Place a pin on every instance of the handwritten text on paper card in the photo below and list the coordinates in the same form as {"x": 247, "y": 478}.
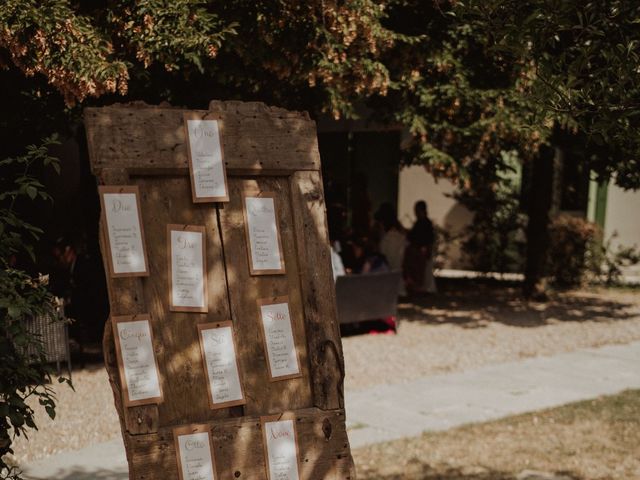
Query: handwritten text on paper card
{"x": 206, "y": 159}
{"x": 124, "y": 232}
{"x": 138, "y": 360}
{"x": 195, "y": 456}
{"x": 281, "y": 450}
{"x": 263, "y": 233}
{"x": 278, "y": 334}
{"x": 222, "y": 367}
{"x": 187, "y": 269}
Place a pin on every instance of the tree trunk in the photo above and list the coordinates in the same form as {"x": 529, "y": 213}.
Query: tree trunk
{"x": 544, "y": 200}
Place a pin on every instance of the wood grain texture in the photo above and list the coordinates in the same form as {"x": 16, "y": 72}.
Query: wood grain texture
{"x": 263, "y": 396}
{"x": 239, "y": 452}
{"x": 164, "y": 201}
{"x": 266, "y": 149}
{"x": 126, "y": 297}
{"x": 256, "y": 138}
{"x": 318, "y": 291}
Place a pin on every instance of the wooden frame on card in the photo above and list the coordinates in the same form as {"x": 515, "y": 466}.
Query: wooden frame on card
{"x": 198, "y": 116}
{"x": 106, "y": 189}
{"x": 115, "y": 321}
{"x": 188, "y": 430}
{"x": 252, "y": 194}
{"x": 276, "y": 418}
{"x": 210, "y": 326}
{"x": 274, "y": 301}
{"x": 189, "y": 228}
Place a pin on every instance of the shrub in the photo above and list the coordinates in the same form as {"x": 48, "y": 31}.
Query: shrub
{"x": 23, "y": 373}
{"x": 608, "y": 264}
{"x": 494, "y": 241}
{"x": 571, "y": 240}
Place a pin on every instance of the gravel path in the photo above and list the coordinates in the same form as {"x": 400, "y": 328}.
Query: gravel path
{"x": 83, "y": 417}
{"x": 450, "y": 332}
{"x": 465, "y": 329}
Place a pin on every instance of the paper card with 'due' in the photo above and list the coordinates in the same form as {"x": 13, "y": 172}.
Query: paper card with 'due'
{"x": 263, "y": 236}
{"x": 193, "y": 445}
{"x": 187, "y": 268}
{"x": 282, "y": 356}
{"x": 127, "y": 256}
{"x": 281, "y": 447}
{"x": 206, "y": 159}
{"x": 217, "y": 344}
{"x": 136, "y": 359}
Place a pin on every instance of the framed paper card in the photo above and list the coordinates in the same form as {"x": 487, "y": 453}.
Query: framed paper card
{"x": 217, "y": 344}
{"x": 136, "y": 360}
{"x": 264, "y": 246}
{"x": 194, "y": 449}
{"x": 281, "y": 447}
{"x": 187, "y": 268}
{"x": 282, "y": 356}
{"x": 127, "y": 255}
{"x": 206, "y": 159}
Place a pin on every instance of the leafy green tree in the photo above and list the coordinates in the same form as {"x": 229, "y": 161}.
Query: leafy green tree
{"x": 472, "y": 79}
{"x": 584, "y": 59}
{"x": 23, "y": 374}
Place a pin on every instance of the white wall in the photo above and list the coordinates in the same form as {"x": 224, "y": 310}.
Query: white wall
{"x": 415, "y": 183}
{"x": 623, "y": 216}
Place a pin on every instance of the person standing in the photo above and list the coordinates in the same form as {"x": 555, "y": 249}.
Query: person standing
{"x": 392, "y": 240}
{"x": 418, "y": 259}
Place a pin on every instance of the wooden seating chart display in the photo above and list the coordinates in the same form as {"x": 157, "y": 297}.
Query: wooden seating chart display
{"x": 223, "y": 347}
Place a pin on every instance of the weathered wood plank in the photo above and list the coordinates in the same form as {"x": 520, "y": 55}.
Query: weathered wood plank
{"x": 255, "y": 139}
{"x": 126, "y": 297}
{"x": 318, "y": 291}
{"x": 238, "y": 449}
{"x": 263, "y": 395}
{"x": 167, "y": 200}
{"x": 141, "y": 145}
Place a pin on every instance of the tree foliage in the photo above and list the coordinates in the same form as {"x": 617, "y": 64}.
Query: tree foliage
{"x": 585, "y": 61}
{"x": 468, "y": 79}
{"x": 23, "y": 373}
{"x": 327, "y": 52}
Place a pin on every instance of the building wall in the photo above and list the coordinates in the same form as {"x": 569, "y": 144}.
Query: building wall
{"x": 415, "y": 183}
{"x": 623, "y": 217}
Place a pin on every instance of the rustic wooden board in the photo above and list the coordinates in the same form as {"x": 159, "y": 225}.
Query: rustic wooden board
{"x": 126, "y": 297}
{"x": 263, "y": 396}
{"x": 256, "y": 138}
{"x": 238, "y": 448}
{"x": 268, "y": 150}
{"x": 318, "y": 291}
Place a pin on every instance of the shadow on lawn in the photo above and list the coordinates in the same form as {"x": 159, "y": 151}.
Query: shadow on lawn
{"x": 476, "y": 303}
{"x": 426, "y": 472}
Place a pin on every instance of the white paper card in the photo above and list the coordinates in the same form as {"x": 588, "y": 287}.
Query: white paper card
{"x": 281, "y": 450}
{"x": 263, "y": 233}
{"x": 278, "y": 335}
{"x": 138, "y": 360}
{"x": 222, "y": 368}
{"x": 187, "y": 269}
{"x": 195, "y": 456}
{"x": 206, "y": 159}
{"x": 125, "y": 237}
